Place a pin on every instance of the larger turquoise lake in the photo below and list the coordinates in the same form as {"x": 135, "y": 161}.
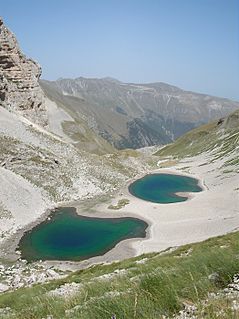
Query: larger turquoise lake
{"x": 163, "y": 188}
{"x": 69, "y": 236}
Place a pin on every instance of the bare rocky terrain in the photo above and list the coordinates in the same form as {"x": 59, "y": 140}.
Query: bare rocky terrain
{"x": 40, "y": 166}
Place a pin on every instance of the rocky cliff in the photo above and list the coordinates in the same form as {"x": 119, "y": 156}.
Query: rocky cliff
{"x": 19, "y": 75}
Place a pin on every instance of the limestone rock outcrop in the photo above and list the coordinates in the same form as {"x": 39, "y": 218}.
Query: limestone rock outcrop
{"x": 19, "y": 75}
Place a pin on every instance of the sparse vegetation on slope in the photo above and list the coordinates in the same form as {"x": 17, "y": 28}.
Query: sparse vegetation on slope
{"x": 121, "y": 203}
{"x": 220, "y": 138}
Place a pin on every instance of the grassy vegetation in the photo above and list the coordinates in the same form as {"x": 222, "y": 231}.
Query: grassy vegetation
{"x": 129, "y": 153}
{"x": 121, "y": 203}
{"x": 167, "y": 163}
{"x": 152, "y": 286}
{"x": 221, "y": 139}
{"x": 191, "y": 143}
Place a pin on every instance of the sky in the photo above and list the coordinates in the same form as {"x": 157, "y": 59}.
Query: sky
{"x": 193, "y": 44}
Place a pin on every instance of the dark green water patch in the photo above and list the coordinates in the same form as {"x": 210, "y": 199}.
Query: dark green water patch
{"x": 162, "y": 188}
{"x": 69, "y": 236}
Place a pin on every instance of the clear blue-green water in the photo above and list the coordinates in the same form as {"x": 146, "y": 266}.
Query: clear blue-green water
{"x": 162, "y": 188}
{"x": 69, "y": 236}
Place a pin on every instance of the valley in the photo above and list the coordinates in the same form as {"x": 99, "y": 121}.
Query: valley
{"x": 81, "y": 144}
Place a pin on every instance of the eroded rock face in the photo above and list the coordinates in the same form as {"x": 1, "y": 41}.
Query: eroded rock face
{"x": 19, "y": 75}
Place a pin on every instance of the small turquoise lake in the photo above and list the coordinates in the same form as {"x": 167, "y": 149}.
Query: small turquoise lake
{"x": 69, "y": 236}
{"x": 162, "y": 188}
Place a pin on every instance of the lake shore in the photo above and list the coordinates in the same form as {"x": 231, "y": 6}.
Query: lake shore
{"x": 209, "y": 213}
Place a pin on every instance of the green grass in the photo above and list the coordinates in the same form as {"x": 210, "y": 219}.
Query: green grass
{"x": 121, "y": 203}
{"x": 191, "y": 143}
{"x": 149, "y": 290}
{"x": 221, "y": 140}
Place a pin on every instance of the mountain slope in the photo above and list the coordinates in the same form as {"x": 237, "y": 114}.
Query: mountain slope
{"x": 41, "y": 166}
{"x": 39, "y": 170}
{"x": 21, "y": 93}
{"x": 220, "y": 139}
{"x": 136, "y": 115}
{"x": 72, "y": 126}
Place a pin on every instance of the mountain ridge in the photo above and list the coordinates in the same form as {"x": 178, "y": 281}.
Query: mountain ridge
{"x": 148, "y": 83}
{"x": 143, "y": 114}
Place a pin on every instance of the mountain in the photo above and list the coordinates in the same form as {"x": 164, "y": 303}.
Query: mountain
{"x": 131, "y": 115}
{"x": 40, "y": 166}
{"x": 20, "y": 93}
{"x": 220, "y": 139}
{"x": 52, "y": 154}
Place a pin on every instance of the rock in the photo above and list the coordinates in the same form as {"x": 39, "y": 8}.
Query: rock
{"x": 42, "y": 277}
{"x": 220, "y": 121}
{"x": 16, "y": 281}
{"x": 235, "y": 305}
{"x": 214, "y": 277}
{"x": 52, "y": 273}
{"x": 4, "y": 287}
{"x": 120, "y": 271}
{"x": 141, "y": 261}
{"x": 19, "y": 75}
{"x": 66, "y": 290}
{"x": 5, "y": 311}
{"x": 32, "y": 279}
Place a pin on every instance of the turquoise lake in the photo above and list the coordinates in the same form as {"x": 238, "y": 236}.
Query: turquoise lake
{"x": 69, "y": 236}
{"x": 162, "y": 188}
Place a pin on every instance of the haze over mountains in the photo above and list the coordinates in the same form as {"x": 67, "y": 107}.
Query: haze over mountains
{"x": 131, "y": 115}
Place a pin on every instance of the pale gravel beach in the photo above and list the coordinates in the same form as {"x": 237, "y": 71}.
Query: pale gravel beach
{"x": 210, "y": 213}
